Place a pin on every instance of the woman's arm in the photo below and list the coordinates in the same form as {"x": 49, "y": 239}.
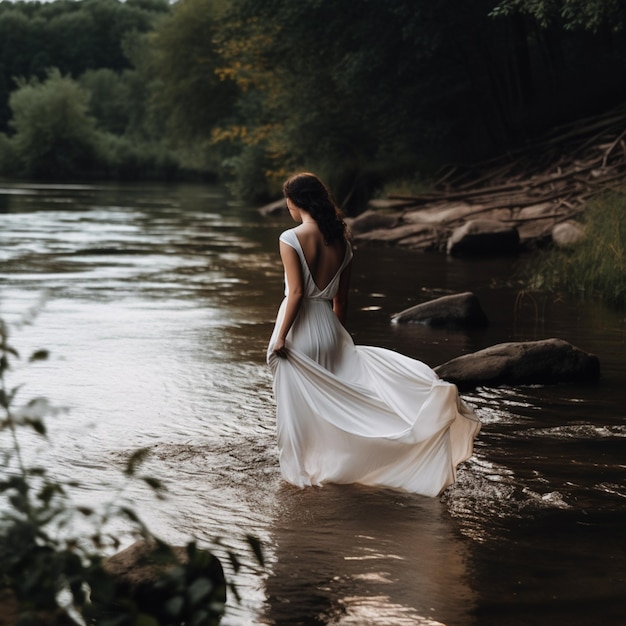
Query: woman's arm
{"x": 295, "y": 283}
{"x": 340, "y": 301}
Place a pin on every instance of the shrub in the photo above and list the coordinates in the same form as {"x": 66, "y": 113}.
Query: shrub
{"x": 596, "y": 266}
{"x": 47, "y": 575}
{"x": 54, "y": 135}
{"x": 122, "y": 158}
{"x": 9, "y": 162}
{"x": 108, "y": 100}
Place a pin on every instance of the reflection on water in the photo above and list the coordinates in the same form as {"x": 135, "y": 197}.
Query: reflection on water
{"x": 353, "y": 555}
{"x": 160, "y": 301}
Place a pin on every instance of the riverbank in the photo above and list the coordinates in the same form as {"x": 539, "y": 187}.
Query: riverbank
{"x": 518, "y": 201}
{"x": 532, "y": 191}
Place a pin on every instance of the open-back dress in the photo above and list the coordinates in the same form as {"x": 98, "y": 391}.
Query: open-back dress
{"x": 360, "y": 414}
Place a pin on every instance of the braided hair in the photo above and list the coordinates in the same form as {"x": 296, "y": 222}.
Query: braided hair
{"x": 310, "y": 194}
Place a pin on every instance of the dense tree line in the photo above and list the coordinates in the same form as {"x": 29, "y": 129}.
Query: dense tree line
{"x": 71, "y": 36}
{"x": 75, "y": 90}
{"x": 363, "y": 91}
{"x": 359, "y": 90}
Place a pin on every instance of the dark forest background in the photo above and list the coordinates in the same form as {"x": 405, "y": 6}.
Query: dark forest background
{"x": 363, "y": 92}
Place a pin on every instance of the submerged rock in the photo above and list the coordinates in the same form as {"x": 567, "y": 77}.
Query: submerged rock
{"x": 542, "y": 362}
{"x": 483, "y": 237}
{"x": 462, "y": 309}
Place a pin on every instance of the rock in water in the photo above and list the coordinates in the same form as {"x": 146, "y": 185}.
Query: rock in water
{"x": 462, "y": 309}
{"x": 543, "y": 362}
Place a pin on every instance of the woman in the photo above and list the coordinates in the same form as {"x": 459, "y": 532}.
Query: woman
{"x": 346, "y": 413}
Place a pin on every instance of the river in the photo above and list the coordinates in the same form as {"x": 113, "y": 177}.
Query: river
{"x": 156, "y": 303}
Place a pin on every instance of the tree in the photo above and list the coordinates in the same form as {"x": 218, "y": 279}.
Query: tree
{"x": 19, "y": 43}
{"x": 352, "y": 89}
{"x": 54, "y": 135}
{"x": 592, "y": 15}
{"x": 108, "y": 99}
{"x": 358, "y": 90}
{"x": 185, "y": 60}
{"x": 74, "y": 36}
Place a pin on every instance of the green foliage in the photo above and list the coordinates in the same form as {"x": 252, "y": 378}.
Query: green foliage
{"x": 596, "y": 266}
{"x": 408, "y": 186}
{"x": 318, "y": 95}
{"x": 57, "y": 137}
{"x": 54, "y": 135}
{"x": 58, "y": 578}
{"x": 109, "y": 99}
{"x": 94, "y": 114}
{"x": 366, "y": 91}
{"x": 72, "y": 36}
{"x": 589, "y": 15}
{"x": 123, "y": 158}
{"x": 8, "y": 158}
{"x": 20, "y": 52}
{"x": 185, "y": 60}
{"x": 361, "y": 91}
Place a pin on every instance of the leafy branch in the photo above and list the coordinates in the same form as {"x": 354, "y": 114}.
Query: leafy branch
{"x": 48, "y": 575}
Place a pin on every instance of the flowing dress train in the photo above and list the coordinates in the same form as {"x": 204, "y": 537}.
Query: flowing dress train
{"x": 360, "y": 414}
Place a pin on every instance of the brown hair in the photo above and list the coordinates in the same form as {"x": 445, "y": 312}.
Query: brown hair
{"x": 310, "y": 194}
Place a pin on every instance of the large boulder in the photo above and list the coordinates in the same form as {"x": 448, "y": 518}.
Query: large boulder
{"x": 462, "y": 309}
{"x": 483, "y": 237}
{"x": 547, "y": 361}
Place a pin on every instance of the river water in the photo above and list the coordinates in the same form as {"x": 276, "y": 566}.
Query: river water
{"x": 156, "y": 304}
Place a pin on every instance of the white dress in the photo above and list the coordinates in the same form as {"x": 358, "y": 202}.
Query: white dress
{"x": 358, "y": 414}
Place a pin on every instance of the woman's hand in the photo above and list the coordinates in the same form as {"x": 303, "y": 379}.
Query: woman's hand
{"x": 280, "y": 349}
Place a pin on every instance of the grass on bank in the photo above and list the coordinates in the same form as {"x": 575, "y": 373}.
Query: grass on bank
{"x": 596, "y": 266}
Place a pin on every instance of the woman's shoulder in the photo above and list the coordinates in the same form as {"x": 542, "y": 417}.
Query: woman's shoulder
{"x": 289, "y": 237}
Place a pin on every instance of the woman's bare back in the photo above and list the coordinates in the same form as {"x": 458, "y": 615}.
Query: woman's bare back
{"x": 322, "y": 260}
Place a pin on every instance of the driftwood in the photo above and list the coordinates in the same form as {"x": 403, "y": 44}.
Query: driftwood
{"x": 563, "y": 170}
